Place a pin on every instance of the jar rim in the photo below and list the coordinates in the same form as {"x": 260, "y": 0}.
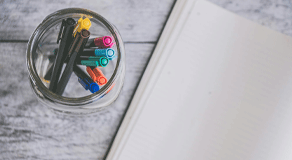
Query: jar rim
{"x": 44, "y": 92}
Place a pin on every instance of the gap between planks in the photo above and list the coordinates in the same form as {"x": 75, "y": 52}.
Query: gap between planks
{"x": 26, "y": 41}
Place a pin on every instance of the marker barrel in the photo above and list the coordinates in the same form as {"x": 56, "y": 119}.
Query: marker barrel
{"x": 103, "y": 61}
{"x": 108, "y": 52}
{"x": 91, "y": 73}
{"x": 88, "y": 52}
{"x": 104, "y": 42}
{"x": 90, "y": 63}
{"x": 85, "y": 80}
{"x": 66, "y": 31}
{"x": 100, "y": 78}
{"x": 77, "y": 45}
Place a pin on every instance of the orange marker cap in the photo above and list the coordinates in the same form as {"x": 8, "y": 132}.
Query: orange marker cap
{"x": 101, "y": 79}
{"x": 91, "y": 73}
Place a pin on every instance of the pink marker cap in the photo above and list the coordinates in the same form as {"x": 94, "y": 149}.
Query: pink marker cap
{"x": 104, "y": 42}
{"x": 107, "y": 40}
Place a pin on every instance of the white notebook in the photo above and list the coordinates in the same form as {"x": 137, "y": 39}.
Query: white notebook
{"x": 218, "y": 87}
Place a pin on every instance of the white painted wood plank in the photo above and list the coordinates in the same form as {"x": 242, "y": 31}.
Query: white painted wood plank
{"x": 29, "y": 130}
{"x": 274, "y": 14}
{"x": 136, "y": 20}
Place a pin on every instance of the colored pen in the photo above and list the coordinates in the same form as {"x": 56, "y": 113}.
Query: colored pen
{"x": 108, "y": 52}
{"x": 77, "y": 45}
{"x": 89, "y": 63}
{"x": 82, "y": 24}
{"x": 100, "y": 42}
{"x": 99, "y": 76}
{"x": 65, "y": 35}
{"x": 95, "y": 61}
{"x": 79, "y": 59}
{"x": 103, "y": 61}
{"x": 104, "y": 42}
{"x": 85, "y": 80}
{"x": 50, "y": 70}
{"x": 91, "y": 73}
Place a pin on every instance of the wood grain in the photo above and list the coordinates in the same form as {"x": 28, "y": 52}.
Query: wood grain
{"x": 29, "y": 130}
{"x": 272, "y": 13}
{"x": 137, "y": 21}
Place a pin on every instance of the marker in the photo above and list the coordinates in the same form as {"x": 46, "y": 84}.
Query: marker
{"x": 77, "y": 45}
{"x": 88, "y": 52}
{"x": 85, "y": 52}
{"x": 77, "y": 60}
{"x": 100, "y": 78}
{"x": 91, "y": 73}
{"x": 89, "y": 63}
{"x": 104, "y": 42}
{"x": 103, "y": 61}
{"x": 85, "y": 80}
{"x": 109, "y": 53}
{"x": 82, "y": 24}
{"x": 65, "y": 35}
{"x": 95, "y": 61}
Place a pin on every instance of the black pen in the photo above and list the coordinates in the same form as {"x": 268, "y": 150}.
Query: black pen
{"x": 77, "y": 46}
{"x": 52, "y": 57}
{"x": 65, "y": 35}
{"x": 48, "y": 75}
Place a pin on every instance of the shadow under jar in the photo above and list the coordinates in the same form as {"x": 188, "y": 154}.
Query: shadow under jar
{"x": 75, "y": 99}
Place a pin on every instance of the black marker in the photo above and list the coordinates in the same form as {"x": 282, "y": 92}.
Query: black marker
{"x": 65, "y": 35}
{"x": 50, "y": 70}
{"x": 77, "y": 46}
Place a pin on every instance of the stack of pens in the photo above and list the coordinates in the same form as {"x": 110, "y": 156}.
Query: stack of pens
{"x": 76, "y": 49}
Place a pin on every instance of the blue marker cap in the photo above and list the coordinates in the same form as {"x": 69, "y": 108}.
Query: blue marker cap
{"x": 88, "y": 84}
{"x": 109, "y": 52}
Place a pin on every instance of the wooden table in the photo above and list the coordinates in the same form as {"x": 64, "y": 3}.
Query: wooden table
{"x": 29, "y": 130}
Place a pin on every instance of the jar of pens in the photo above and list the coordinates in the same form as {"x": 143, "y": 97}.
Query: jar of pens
{"x": 76, "y": 61}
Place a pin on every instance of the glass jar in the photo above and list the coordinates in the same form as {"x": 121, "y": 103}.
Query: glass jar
{"x": 75, "y": 100}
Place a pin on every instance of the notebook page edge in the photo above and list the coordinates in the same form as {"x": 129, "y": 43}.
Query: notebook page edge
{"x": 166, "y": 37}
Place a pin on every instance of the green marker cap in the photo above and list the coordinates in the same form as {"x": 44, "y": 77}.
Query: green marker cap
{"x": 103, "y": 61}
